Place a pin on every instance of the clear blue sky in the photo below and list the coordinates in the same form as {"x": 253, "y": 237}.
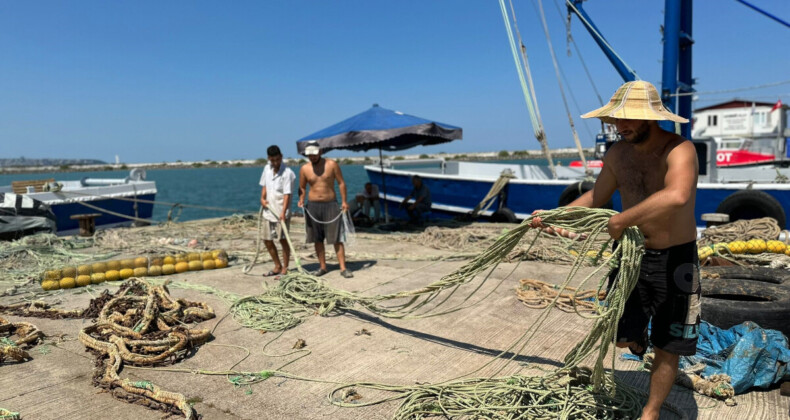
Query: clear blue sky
{"x": 159, "y": 81}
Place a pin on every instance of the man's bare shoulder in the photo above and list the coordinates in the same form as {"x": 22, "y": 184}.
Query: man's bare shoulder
{"x": 676, "y": 144}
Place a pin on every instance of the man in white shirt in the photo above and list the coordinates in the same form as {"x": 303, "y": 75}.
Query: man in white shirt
{"x": 277, "y": 182}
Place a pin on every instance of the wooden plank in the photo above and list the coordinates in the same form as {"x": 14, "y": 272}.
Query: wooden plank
{"x": 20, "y": 187}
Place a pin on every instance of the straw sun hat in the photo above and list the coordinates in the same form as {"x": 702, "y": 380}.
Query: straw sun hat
{"x": 638, "y": 100}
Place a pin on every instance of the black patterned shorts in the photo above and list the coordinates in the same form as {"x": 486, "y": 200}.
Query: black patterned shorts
{"x": 668, "y": 293}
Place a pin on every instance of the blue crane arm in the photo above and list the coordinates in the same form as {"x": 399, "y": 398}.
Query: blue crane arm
{"x": 626, "y": 72}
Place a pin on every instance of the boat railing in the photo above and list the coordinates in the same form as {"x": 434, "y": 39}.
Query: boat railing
{"x": 432, "y": 165}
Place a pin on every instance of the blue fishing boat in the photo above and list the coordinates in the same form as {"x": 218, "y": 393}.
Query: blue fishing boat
{"x": 513, "y": 191}
{"x": 116, "y": 202}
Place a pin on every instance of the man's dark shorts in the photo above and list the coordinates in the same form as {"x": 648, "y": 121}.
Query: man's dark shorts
{"x": 668, "y": 291}
{"x": 318, "y": 230}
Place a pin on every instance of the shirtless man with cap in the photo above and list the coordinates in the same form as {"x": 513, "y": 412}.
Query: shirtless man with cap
{"x": 656, "y": 174}
{"x": 322, "y": 215}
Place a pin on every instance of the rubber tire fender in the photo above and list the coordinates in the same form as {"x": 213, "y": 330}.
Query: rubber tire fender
{"x": 752, "y": 204}
{"x": 728, "y": 302}
{"x": 575, "y": 190}
{"x": 504, "y": 215}
{"x": 756, "y": 274}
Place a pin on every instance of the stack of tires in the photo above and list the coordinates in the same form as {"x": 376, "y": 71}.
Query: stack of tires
{"x": 733, "y": 295}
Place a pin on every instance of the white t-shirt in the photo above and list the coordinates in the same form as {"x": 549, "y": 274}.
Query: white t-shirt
{"x": 277, "y": 186}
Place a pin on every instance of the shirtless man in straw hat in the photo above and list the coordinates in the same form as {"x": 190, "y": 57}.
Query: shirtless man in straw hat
{"x": 656, "y": 174}
{"x": 322, "y": 216}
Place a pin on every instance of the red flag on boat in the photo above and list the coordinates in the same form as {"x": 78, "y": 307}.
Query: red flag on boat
{"x": 777, "y": 105}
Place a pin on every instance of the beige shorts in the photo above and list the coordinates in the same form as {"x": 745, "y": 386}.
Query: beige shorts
{"x": 273, "y": 231}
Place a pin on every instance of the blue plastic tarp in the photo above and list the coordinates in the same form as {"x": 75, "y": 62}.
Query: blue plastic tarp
{"x": 752, "y": 356}
{"x": 381, "y": 128}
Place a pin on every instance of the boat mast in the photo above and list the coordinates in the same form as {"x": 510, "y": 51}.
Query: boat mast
{"x": 677, "y": 83}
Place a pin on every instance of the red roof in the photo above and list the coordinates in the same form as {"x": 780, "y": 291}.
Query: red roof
{"x": 735, "y": 103}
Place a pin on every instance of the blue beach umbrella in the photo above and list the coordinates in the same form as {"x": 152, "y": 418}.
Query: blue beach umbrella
{"x": 383, "y": 129}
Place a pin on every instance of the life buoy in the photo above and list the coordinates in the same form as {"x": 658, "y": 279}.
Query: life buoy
{"x": 504, "y": 215}
{"x": 575, "y": 190}
{"x": 752, "y": 204}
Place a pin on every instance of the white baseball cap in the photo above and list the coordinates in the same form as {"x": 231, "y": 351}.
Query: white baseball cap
{"x": 312, "y": 149}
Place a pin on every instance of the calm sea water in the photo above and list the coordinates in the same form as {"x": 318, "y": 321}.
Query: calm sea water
{"x": 232, "y": 188}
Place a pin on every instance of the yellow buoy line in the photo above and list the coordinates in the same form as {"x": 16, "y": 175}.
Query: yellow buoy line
{"x": 114, "y": 270}
{"x": 753, "y": 246}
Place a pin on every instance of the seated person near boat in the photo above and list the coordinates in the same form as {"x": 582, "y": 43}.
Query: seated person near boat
{"x": 277, "y": 182}
{"x": 364, "y": 200}
{"x": 422, "y": 200}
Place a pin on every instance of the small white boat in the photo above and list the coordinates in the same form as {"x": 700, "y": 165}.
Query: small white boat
{"x": 119, "y": 202}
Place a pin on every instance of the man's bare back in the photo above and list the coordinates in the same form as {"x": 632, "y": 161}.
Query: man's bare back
{"x": 641, "y": 172}
{"x": 321, "y": 178}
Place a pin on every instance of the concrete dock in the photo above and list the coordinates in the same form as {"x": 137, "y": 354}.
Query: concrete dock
{"x": 353, "y": 346}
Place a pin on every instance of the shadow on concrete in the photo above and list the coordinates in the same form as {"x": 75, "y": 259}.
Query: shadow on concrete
{"x": 451, "y": 343}
{"x": 351, "y": 265}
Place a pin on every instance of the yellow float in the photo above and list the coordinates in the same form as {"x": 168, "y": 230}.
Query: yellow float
{"x": 83, "y": 280}
{"x": 97, "y": 278}
{"x": 776, "y": 247}
{"x": 96, "y": 273}
{"x": 112, "y": 275}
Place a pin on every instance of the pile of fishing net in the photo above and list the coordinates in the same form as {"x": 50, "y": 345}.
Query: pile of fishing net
{"x": 13, "y": 349}
{"x": 139, "y": 325}
{"x": 473, "y": 237}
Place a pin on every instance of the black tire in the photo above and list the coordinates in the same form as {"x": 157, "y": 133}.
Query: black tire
{"x": 575, "y": 191}
{"x": 504, "y": 215}
{"x": 728, "y": 302}
{"x": 752, "y": 204}
{"x": 757, "y": 274}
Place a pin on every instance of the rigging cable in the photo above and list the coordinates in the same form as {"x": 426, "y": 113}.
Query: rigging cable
{"x": 711, "y": 92}
{"x": 579, "y": 53}
{"x": 600, "y": 37}
{"x": 559, "y": 82}
{"x": 528, "y": 90}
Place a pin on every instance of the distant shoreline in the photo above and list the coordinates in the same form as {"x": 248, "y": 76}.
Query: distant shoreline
{"x": 343, "y": 160}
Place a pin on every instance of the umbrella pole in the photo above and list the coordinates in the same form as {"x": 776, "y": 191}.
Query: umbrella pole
{"x": 384, "y": 188}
